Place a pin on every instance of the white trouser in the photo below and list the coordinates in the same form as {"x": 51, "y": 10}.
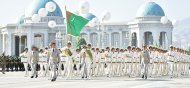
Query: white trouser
{"x": 53, "y": 67}
{"x": 145, "y": 69}
{"x": 26, "y": 68}
{"x": 97, "y": 68}
{"x": 171, "y": 68}
{"x": 68, "y": 67}
{"x": 46, "y": 66}
{"x": 60, "y": 71}
{"x": 33, "y": 67}
{"x": 41, "y": 68}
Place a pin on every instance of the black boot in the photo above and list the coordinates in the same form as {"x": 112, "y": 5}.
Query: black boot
{"x": 146, "y": 77}
{"x": 32, "y": 77}
{"x": 36, "y": 76}
{"x": 143, "y": 76}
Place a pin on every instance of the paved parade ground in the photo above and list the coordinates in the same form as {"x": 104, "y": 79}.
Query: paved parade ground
{"x": 16, "y": 80}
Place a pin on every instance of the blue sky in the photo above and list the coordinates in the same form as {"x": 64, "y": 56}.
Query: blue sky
{"x": 121, "y": 10}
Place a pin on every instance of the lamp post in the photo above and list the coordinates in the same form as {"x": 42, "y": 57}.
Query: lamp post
{"x": 59, "y": 39}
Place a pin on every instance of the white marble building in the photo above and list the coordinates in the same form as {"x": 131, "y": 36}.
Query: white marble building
{"x": 145, "y": 29}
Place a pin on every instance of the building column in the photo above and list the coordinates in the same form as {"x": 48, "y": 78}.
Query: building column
{"x": 3, "y": 48}
{"x": 99, "y": 40}
{"x": 30, "y": 40}
{"x": 110, "y": 40}
{"x": 120, "y": 40}
{"x": 9, "y": 44}
{"x": 156, "y": 37}
{"x": 46, "y": 39}
{"x": 1, "y": 44}
{"x": 169, "y": 37}
{"x": 140, "y": 39}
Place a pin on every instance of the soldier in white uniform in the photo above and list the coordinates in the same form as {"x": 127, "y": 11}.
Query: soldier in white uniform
{"x": 53, "y": 59}
{"x": 77, "y": 61}
{"x": 120, "y": 61}
{"x": 151, "y": 51}
{"x": 170, "y": 58}
{"x": 89, "y": 60}
{"x": 62, "y": 63}
{"x": 102, "y": 62}
{"x": 68, "y": 68}
{"x": 113, "y": 55}
{"x": 41, "y": 61}
{"x": 115, "y": 63}
{"x": 145, "y": 60}
{"x": 85, "y": 63}
{"x": 128, "y": 64}
{"x": 108, "y": 61}
{"x": 133, "y": 61}
{"x": 138, "y": 71}
{"x": 96, "y": 61}
{"x": 26, "y": 56}
{"x": 46, "y": 64}
{"x": 34, "y": 58}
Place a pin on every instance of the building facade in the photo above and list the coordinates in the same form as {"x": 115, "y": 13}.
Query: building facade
{"x": 145, "y": 29}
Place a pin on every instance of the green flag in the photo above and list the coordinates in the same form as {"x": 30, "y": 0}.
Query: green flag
{"x": 75, "y": 23}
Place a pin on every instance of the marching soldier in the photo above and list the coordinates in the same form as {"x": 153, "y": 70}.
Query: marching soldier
{"x": 108, "y": 61}
{"x": 46, "y": 64}
{"x": 145, "y": 60}
{"x": 151, "y": 52}
{"x": 170, "y": 58}
{"x": 69, "y": 61}
{"x": 138, "y": 71}
{"x": 120, "y": 62}
{"x": 3, "y": 63}
{"x": 77, "y": 62}
{"x": 86, "y": 62}
{"x": 128, "y": 61}
{"x": 42, "y": 61}
{"x": 25, "y": 57}
{"x": 90, "y": 59}
{"x": 53, "y": 59}
{"x": 96, "y": 61}
{"x": 113, "y": 56}
{"x": 102, "y": 62}
{"x": 34, "y": 61}
{"x": 62, "y": 62}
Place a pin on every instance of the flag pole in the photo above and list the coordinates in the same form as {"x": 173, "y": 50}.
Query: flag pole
{"x": 66, "y": 25}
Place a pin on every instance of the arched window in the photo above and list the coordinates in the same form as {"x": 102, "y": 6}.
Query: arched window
{"x": 38, "y": 40}
{"x": 148, "y": 38}
{"x": 162, "y": 39}
{"x": 94, "y": 39}
{"x": 134, "y": 39}
{"x": 115, "y": 39}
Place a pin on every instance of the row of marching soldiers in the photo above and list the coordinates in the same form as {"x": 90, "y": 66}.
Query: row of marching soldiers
{"x": 90, "y": 62}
